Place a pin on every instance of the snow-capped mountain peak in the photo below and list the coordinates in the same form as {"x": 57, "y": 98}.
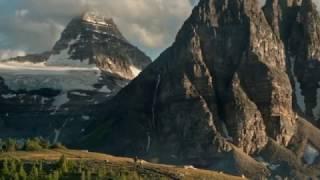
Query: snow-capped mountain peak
{"x": 96, "y": 18}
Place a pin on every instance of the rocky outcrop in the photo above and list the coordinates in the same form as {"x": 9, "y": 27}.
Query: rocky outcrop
{"x": 223, "y": 94}
{"x": 58, "y": 93}
{"x": 299, "y": 23}
{"x": 305, "y": 42}
{"x": 245, "y": 120}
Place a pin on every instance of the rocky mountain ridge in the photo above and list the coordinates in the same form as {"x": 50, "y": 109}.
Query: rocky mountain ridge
{"x": 226, "y": 94}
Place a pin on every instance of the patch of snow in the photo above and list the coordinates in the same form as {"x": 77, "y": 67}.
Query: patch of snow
{"x": 173, "y": 156}
{"x": 60, "y": 100}
{"x": 59, "y": 72}
{"x": 316, "y": 110}
{"x": 8, "y": 96}
{"x": 310, "y": 154}
{"x": 43, "y": 100}
{"x": 86, "y": 118}
{"x": 63, "y": 59}
{"x": 29, "y": 76}
{"x": 148, "y": 142}
{"x": 96, "y": 38}
{"x": 57, "y": 132}
{"x": 297, "y": 87}
{"x": 79, "y": 94}
{"x": 262, "y": 161}
{"x": 135, "y": 71}
{"x": 105, "y": 89}
{"x": 274, "y": 166}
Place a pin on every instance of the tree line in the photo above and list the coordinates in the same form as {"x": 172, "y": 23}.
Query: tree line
{"x": 63, "y": 169}
{"x": 31, "y": 144}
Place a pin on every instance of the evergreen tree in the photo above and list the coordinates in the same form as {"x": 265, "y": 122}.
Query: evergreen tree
{"x": 22, "y": 172}
{"x": 16, "y": 176}
{"x": 83, "y": 175}
{"x": 34, "y": 173}
{"x": 49, "y": 177}
{"x": 88, "y": 175}
{"x": 11, "y": 145}
{"x": 63, "y": 164}
{"x": 13, "y": 166}
{"x": 40, "y": 167}
{"x": 80, "y": 167}
{"x": 101, "y": 172}
{"x": 44, "y": 143}
{"x": 56, "y": 175}
{"x": 33, "y": 145}
{"x": 5, "y": 169}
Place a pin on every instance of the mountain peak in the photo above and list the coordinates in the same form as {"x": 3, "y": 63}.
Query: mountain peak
{"x": 88, "y": 65}
{"x": 95, "y": 17}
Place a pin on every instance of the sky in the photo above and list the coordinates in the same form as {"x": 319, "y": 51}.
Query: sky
{"x": 33, "y": 26}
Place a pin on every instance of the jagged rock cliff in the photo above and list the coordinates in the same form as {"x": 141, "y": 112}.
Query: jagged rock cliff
{"x": 223, "y": 96}
{"x": 299, "y": 24}
{"x": 57, "y": 93}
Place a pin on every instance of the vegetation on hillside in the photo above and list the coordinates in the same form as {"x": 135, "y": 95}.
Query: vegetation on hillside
{"x": 63, "y": 169}
{"x": 65, "y": 164}
{"x": 32, "y": 144}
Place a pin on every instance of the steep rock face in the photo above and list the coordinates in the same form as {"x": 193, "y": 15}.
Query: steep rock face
{"x": 224, "y": 95}
{"x": 281, "y": 15}
{"x": 245, "y": 120}
{"x": 300, "y": 23}
{"x": 222, "y": 82}
{"x": 56, "y": 94}
{"x": 307, "y": 59}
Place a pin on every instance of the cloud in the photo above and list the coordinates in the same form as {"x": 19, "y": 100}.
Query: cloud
{"x": 22, "y": 12}
{"x": 147, "y": 38}
{"x": 35, "y": 25}
{"x": 150, "y": 24}
{"x": 5, "y": 54}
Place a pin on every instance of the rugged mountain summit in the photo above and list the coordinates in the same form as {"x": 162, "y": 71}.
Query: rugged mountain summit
{"x": 223, "y": 96}
{"x": 97, "y": 39}
{"x": 57, "y": 93}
